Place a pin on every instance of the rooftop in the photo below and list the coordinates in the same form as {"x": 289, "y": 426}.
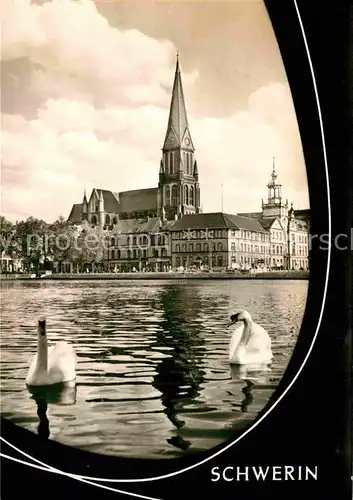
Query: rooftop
{"x": 217, "y": 220}
{"x": 146, "y": 225}
{"x": 76, "y": 214}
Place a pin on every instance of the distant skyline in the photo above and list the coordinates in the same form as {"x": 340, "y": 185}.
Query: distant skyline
{"x": 86, "y": 88}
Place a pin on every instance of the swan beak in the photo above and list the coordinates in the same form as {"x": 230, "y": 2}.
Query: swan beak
{"x": 230, "y": 324}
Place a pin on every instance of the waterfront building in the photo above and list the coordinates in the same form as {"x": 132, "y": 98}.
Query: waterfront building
{"x": 219, "y": 241}
{"x": 141, "y": 245}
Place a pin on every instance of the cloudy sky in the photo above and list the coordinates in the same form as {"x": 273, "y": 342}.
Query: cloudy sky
{"x": 86, "y": 88}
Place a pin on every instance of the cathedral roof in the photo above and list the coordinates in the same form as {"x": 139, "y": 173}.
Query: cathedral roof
{"x": 75, "y": 216}
{"x": 110, "y": 200}
{"x": 217, "y": 220}
{"x": 138, "y": 200}
{"x": 128, "y": 201}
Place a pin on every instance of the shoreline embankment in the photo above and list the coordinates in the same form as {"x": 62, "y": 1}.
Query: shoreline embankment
{"x": 269, "y": 275}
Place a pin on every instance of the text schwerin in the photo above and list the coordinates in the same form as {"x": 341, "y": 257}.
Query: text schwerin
{"x": 264, "y": 473}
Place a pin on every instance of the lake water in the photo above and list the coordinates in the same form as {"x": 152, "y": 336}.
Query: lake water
{"x": 153, "y": 378}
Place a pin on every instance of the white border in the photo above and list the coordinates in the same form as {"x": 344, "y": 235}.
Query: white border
{"x": 89, "y": 480}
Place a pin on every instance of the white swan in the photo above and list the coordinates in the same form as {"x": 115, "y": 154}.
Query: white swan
{"x": 250, "y": 343}
{"x": 53, "y": 365}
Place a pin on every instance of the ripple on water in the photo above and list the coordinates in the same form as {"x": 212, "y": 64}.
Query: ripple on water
{"x": 153, "y": 378}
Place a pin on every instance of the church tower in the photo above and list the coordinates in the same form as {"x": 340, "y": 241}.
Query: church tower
{"x": 178, "y": 187}
{"x": 275, "y": 207}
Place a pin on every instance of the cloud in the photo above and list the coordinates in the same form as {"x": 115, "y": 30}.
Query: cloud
{"x": 102, "y": 117}
{"x": 71, "y": 144}
{"x": 76, "y": 53}
{"x": 238, "y": 152}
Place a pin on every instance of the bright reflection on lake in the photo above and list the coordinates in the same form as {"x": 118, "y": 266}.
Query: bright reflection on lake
{"x": 153, "y": 378}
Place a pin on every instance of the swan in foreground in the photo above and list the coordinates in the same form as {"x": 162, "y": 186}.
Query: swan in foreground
{"x": 53, "y": 365}
{"x": 250, "y": 343}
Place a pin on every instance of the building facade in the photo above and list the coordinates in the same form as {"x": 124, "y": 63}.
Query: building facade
{"x": 218, "y": 241}
{"x": 141, "y": 245}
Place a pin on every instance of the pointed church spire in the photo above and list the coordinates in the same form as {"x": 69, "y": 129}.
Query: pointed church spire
{"x": 178, "y": 188}
{"x": 84, "y": 203}
{"x": 178, "y": 128}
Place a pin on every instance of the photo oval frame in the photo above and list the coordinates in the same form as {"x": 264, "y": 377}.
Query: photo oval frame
{"x": 297, "y": 60}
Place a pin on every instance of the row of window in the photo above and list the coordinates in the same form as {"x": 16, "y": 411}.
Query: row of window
{"x": 299, "y": 250}
{"x": 275, "y": 262}
{"x": 251, "y": 248}
{"x": 299, "y": 264}
{"x": 171, "y": 195}
{"x": 108, "y": 220}
{"x": 218, "y": 233}
{"x": 253, "y": 260}
{"x": 198, "y": 248}
{"x": 302, "y": 238}
{"x": 221, "y": 260}
{"x": 171, "y": 162}
{"x": 252, "y": 235}
{"x": 198, "y": 234}
{"x": 274, "y": 192}
{"x": 136, "y": 254}
{"x": 217, "y": 260}
{"x": 206, "y": 247}
{"x": 141, "y": 240}
{"x": 277, "y": 235}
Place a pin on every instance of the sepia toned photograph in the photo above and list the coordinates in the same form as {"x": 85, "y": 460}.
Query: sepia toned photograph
{"x": 155, "y": 222}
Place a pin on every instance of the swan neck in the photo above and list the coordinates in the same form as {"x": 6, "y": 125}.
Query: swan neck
{"x": 42, "y": 359}
{"x": 246, "y": 332}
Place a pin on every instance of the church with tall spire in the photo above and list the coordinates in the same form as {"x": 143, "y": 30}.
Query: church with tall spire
{"x": 275, "y": 238}
{"x": 178, "y": 190}
{"x": 178, "y": 187}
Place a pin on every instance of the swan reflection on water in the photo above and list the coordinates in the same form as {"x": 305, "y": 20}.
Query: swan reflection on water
{"x": 252, "y": 374}
{"x": 179, "y": 377}
{"x": 63, "y": 394}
